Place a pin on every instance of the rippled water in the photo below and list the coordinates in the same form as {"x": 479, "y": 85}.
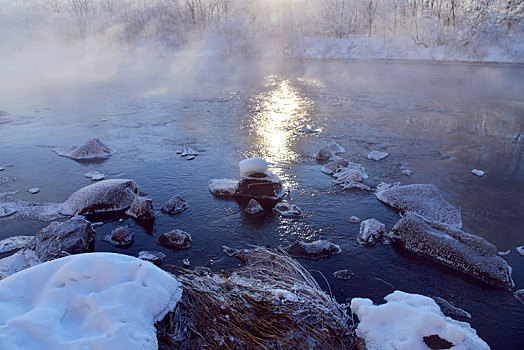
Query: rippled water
{"x": 438, "y": 120}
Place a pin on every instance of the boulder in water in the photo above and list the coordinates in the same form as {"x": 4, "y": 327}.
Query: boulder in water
{"x": 141, "y": 208}
{"x": 175, "y": 239}
{"x": 92, "y": 149}
{"x": 371, "y": 231}
{"x": 314, "y": 250}
{"x": 175, "y": 205}
{"x": 155, "y": 257}
{"x": 343, "y": 274}
{"x": 121, "y": 237}
{"x": 223, "y": 187}
{"x": 454, "y": 248}
{"x": 334, "y": 166}
{"x": 377, "y": 155}
{"x": 329, "y": 150}
{"x": 287, "y": 209}
{"x": 253, "y": 208}
{"x": 104, "y": 196}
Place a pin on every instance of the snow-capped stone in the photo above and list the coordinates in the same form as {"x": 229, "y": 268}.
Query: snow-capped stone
{"x": 253, "y": 208}
{"x": 223, "y": 187}
{"x": 175, "y": 205}
{"x": 87, "y": 301}
{"x": 335, "y": 165}
{"x": 92, "y": 149}
{"x": 329, "y": 150}
{"x": 103, "y": 196}
{"x": 354, "y": 220}
{"x": 477, "y": 172}
{"x": 314, "y": 250}
{"x": 520, "y": 250}
{"x": 409, "y": 321}
{"x": 141, "y": 208}
{"x": 155, "y": 257}
{"x": 371, "y": 232}
{"x": 424, "y": 200}
{"x": 260, "y": 186}
{"x": 449, "y": 309}
{"x": 21, "y": 260}
{"x": 519, "y": 295}
{"x": 351, "y": 176}
{"x": 94, "y": 175}
{"x": 287, "y": 209}
{"x": 121, "y": 236}
{"x": 33, "y": 190}
{"x": 2, "y": 168}
{"x": 454, "y": 248}
{"x": 175, "y": 239}
{"x": 377, "y": 155}
{"x": 13, "y": 243}
{"x": 343, "y": 274}
{"x": 252, "y": 166}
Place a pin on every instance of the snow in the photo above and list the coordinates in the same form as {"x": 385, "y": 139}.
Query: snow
{"x": 252, "y": 166}
{"x": 405, "y": 319}
{"x": 377, "y": 155}
{"x": 12, "y": 243}
{"x": 284, "y": 294}
{"x": 477, "y": 172}
{"x": 223, "y": 187}
{"x": 86, "y": 301}
{"x": 19, "y": 261}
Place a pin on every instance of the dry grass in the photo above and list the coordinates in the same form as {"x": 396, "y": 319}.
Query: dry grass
{"x": 270, "y": 303}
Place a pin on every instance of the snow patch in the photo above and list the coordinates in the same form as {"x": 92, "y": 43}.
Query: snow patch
{"x": 252, "y": 166}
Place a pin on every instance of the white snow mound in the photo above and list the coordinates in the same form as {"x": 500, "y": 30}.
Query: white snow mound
{"x": 405, "y": 320}
{"x": 86, "y": 301}
{"x": 251, "y": 166}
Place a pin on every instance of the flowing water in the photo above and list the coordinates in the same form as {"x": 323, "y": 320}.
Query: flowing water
{"x": 438, "y": 120}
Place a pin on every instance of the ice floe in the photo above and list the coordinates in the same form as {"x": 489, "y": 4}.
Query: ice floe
{"x": 477, "y": 172}
{"x": 92, "y": 149}
{"x": 175, "y": 239}
{"x": 13, "y": 243}
{"x": 520, "y": 250}
{"x": 175, "y": 205}
{"x": 94, "y": 300}
{"x": 377, "y": 155}
{"x": 372, "y": 231}
{"x": 519, "y": 295}
{"x": 314, "y": 250}
{"x": 410, "y": 321}
{"x": 121, "y": 237}
{"x": 351, "y": 176}
{"x": 37, "y": 211}
{"x": 335, "y": 165}
{"x": 287, "y": 209}
{"x": 95, "y": 175}
{"x": 33, "y": 190}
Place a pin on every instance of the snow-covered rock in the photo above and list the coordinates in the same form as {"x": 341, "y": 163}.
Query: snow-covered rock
{"x": 33, "y": 190}
{"x": 223, "y": 187}
{"x": 141, "y": 208}
{"x": 94, "y": 175}
{"x": 19, "y": 261}
{"x": 13, "y": 243}
{"x": 155, "y": 257}
{"x": 519, "y": 295}
{"x": 287, "y": 209}
{"x": 7, "y": 211}
{"x": 520, "y": 250}
{"x": 335, "y": 165}
{"x": 477, "y": 172}
{"x": 408, "y": 321}
{"x": 103, "y": 196}
{"x": 454, "y": 248}
{"x": 260, "y": 186}
{"x": 92, "y": 149}
{"x": 314, "y": 250}
{"x": 351, "y": 176}
{"x": 424, "y": 200}
{"x": 253, "y": 208}
{"x": 449, "y": 309}
{"x": 354, "y": 220}
{"x": 329, "y": 150}
{"x": 175, "y": 205}
{"x": 371, "y": 232}
{"x": 121, "y": 236}
{"x": 87, "y": 301}
{"x": 377, "y": 155}
{"x": 343, "y": 274}
{"x": 175, "y": 239}
{"x": 252, "y": 166}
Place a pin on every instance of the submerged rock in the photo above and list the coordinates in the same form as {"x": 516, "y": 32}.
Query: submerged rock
{"x": 100, "y": 197}
{"x": 407, "y": 172}
{"x": 424, "y": 200}
{"x": 287, "y": 209}
{"x": 141, "y": 208}
{"x": 343, "y": 274}
{"x": 175, "y": 205}
{"x": 335, "y": 166}
{"x": 121, "y": 237}
{"x": 253, "y": 208}
{"x": 454, "y": 248}
{"x": 156, "y": 258}
{"x": 260, "y": 186}
{"x": 329, "y": 150}
{"x": 175, "y": 239}
{"x": 477, "y": 172}
{"x": 92, "y": 149}
{"x": 13, "y": 243}
{"x": 371, "y": 231}
{"x": 33, "y": 190}
{"x": 223, "y": 187}
{"x": 314, "y": 250}
{"x": 377, "y": 155}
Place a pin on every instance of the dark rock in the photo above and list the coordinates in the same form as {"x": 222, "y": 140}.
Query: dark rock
{"x": 61, "y": 238}
{"x": 343, "y": 274}
{"x": 223, "y": 187}
{"x": 260, "y": 186}
{"x": 424, "y": 200}
{"x": 141, "y": 208}
{"x": 435, "y": 342}
{"x": 175, "y": 239}
{"x": 254, "y": 208}
{"x": 100, "y": 197}
{"x": 121, "y": 236}
{"x": 156, "y": 258}
{"x": 371, "y": 231}
{"x": 314, "y": 250}
{"x": 454, "y": 248}
{"x": 174, "y": 206}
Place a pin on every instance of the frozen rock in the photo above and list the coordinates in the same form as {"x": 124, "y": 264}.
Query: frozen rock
{"x": 121, "y": 236}
{"x": 6, "y": 211}
{"x": 190, "y": 157}
{"x": 410, "y": 321}
{"x": 252, "y": 166}
{"x": 371, "y": 232}
{"x": 62, "y": 238}
{"x": 519, "y": 295}
{"x": 141, "y": 208}
{"x": 454, "y": 248}
{"x": 424, "y": 200}
{"x": 17, "y": 262}
{"x": 407, "y": 172}
{"x": 504, "y": 253}
{"x": 87, "y": 301}
{"x": 253, "y": 208}
{"x": 314, "y": 250}
{"x": 377, "y": 155}
{"x": 94, "y": 175}
{"x": 33, "y": 190}
{"x": 103, "y": 196}
{"x": 186, "y": 263}
{"x": 520, "y": 250}
{"x": 36, "y": 211}
{"x": 343, "y": 274}
{"x": 334, "y": 166}
{"x": 175, "y": 239}
{"x": 351, "y": 176}
{"x": 156, "y": 258}
{"x": 260, "y": 186}
{"x": 175, "y": 205}
{"x": 354, "y": 220}
{"x": 477, "y": 172}
{"x": 97, "y": 224}
{"x": 329, "y": 150}
{"x": 287, "y": 209}
{"x": 449, "y": 309}
{"x": 13, "y": 243}
{"x": 230, "y": 251}
{"x": 223, "y": 187}
{"x": 2, "y": 168}
{"x": 92, "y": 149}
{"x": 188, "y": 151}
